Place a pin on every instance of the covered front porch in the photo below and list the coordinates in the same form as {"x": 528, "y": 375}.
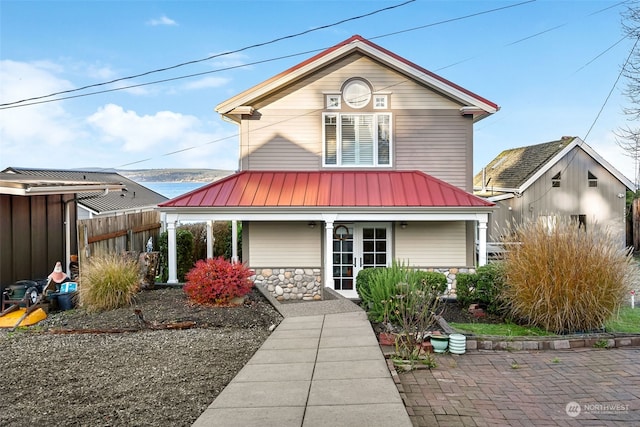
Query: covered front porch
{"x": 327, "y": 226}
{"x": 296, "y": 255}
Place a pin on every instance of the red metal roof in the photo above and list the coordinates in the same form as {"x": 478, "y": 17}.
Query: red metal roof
{"x": 328, "y": 189}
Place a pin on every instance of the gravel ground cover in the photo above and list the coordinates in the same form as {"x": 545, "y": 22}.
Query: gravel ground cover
{"x": 125, "y": 367}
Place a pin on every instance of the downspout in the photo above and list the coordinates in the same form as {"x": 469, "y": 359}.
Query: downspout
{"x": 67, "y": 233}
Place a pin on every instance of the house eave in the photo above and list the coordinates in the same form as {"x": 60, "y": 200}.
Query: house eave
{"x": 356, "y": 43}
{"x": 43, "y": 189}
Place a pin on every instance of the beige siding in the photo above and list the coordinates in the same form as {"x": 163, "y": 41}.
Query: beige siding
{"x": 428, "y": 133}
{"x": 432, "y": 244}
{"x": 284, "y": 244}
{"x": 437, "y": 143}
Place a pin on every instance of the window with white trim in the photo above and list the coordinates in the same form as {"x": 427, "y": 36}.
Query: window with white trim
{"x": 380, "y": 102}
{"x": 357, "y": 139}
{"x": 333, "y": 102}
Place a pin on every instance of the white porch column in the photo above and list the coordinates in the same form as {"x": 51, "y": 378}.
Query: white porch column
{"x": 482, "y": 242}
{"x": 210, "y": 239}
{"x": 328, "y": 254}
{"x": 234, "y": 241}
{"x": 173, "y": 259}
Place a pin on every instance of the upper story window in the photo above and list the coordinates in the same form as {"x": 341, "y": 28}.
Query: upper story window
{"x": 380, "y": 102}
{"x": 592, "y": 179}
{"x": 357, "y": 139}
{"x": 356, "y": 93}
{"x": 555, "y": 180}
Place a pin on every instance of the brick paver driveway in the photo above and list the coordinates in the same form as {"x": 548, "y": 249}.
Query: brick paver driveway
{"x": 580, "y": 387}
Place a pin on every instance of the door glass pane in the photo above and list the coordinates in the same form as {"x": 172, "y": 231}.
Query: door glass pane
{"x": 343, "y": 259}
{"x": 374, "y": 247}
{"x": 368, "y": 233}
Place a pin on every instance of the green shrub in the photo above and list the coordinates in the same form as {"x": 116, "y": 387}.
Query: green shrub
{"x": 108, "y": 282}
{"x": 363, "y": 283}
{"x": 432, "y": 279}
{"x": 483, "y": 287}
{"x": 566, "y": 279}
{"x": 189, "y": 252}
{"x": 378, "y": 287}
{"x": 217, "y": 281}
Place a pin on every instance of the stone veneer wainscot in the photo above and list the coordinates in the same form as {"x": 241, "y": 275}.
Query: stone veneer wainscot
{"x": 290, "y": 283}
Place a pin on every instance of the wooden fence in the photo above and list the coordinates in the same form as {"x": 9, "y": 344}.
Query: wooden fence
{"x": 118, "y": 234}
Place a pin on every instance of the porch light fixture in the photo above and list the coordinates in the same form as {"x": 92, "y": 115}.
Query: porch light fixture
{"x": 403, "y": 225}
{"x": 312, "y": 224}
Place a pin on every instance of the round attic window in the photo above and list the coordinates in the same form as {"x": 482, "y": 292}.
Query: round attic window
{"x": 356, "y": 94}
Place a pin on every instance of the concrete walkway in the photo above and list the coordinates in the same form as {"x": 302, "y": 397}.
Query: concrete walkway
{"x": 322, "y": 366}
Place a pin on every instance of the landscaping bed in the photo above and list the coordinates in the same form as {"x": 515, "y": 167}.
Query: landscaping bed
{"x": 125, "y": 368}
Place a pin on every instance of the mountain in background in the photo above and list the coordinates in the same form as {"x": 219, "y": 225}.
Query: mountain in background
{"x": 174, "y": 175}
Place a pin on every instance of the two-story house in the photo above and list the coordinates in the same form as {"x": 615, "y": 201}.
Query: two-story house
{"x": 348, "y": 160}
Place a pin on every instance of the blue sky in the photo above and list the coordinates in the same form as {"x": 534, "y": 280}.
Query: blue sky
{"x": 550, "y": 65}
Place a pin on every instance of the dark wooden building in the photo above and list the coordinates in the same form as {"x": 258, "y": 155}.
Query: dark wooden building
{"x": 37, "y": 223}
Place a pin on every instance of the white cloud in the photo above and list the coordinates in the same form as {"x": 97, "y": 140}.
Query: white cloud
{"x": 35, "y": 130}
{"x": 163, "y": 20}
{"x": 207, "y": 82}
{"x": 230, "y": 60}
{"x": 138, "y": 133}
{"x": 62, "y": 135}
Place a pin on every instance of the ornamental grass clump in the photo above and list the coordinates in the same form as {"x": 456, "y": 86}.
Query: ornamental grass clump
{"x": 108, "y": 282}
{"x": 217, "y": 281}
{"x": 564, "y": 278}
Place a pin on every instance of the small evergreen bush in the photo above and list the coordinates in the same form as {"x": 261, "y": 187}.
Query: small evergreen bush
{"x": 363, "y": 283}
{"x": 433, "y": 280}
{"x": 483, "y": 287}
{"x": 567, "y": 279}
{"x": 217, "y": 281}
{"x": 108, "y": 282}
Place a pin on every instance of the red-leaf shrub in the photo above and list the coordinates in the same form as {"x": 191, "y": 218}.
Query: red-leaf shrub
{"x": 217, "y": 281}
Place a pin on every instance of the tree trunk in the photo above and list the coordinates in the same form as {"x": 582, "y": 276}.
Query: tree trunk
{"x": 148, "y": 262}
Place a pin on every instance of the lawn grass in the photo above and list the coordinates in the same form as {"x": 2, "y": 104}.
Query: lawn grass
{"x": 627, "y": 322}
{"x": 501, "y": 329}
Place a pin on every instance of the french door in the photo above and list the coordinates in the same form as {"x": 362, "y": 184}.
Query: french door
{"x": 357, "y": 246}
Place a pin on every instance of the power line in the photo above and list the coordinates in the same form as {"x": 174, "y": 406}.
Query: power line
{"x": 612, "y": 88}
{"x": 40, "y": 99}
{"x": 158, "y": 70}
